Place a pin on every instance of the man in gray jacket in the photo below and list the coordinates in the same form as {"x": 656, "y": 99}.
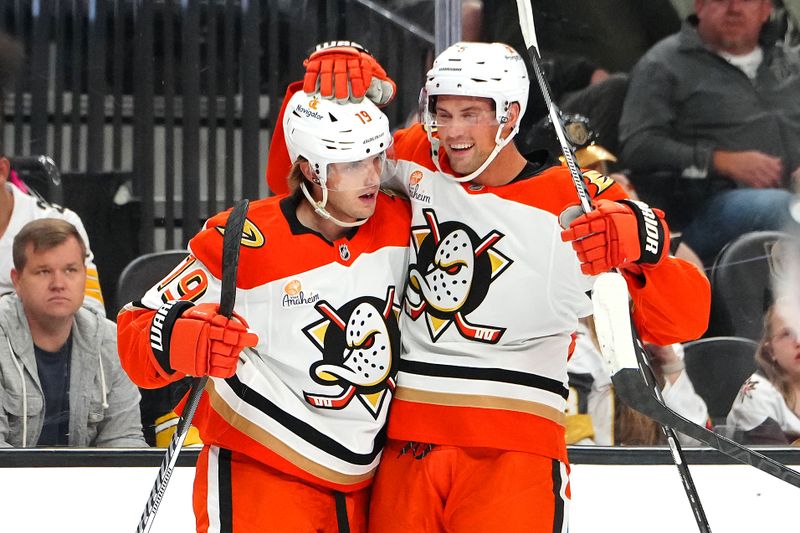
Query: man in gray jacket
{"x": 61, "y": 383}
{"x": 711, "y": 122}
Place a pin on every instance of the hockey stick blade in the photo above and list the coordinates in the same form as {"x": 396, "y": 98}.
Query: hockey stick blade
{"x": 631, "y": 389}
{"x": 618, "y": 344}
{"x": 617, "y": 338}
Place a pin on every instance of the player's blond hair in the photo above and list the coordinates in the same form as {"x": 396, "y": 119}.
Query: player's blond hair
{"x": 296, "y": 175}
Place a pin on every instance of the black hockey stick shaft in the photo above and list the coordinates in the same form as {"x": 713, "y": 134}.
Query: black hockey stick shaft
{"x": 627, "y": 384}
{"x": 672, "y": 440}
{"x": 230, "y": 263}
{"x": 528, "y": 29}
{"x": 623, "y": 352}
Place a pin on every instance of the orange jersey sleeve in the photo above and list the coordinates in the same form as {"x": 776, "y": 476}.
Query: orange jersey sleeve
{"x": 278, "y": 163}
{"x": 188, "y": 281}
{"x": 671, "y": 302}
{"x": 135, "y": 353}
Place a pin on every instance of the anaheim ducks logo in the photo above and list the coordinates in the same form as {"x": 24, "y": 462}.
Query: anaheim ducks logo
{"x": 360, "y": 345}
{"x": 601, "y": 182}
{"x": 251, "y": 235}
{"x": 452, "y": 276}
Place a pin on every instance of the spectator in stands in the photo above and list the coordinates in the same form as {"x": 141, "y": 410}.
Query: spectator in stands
{"x": 595, "y": 416}
{"x": 61, "y": 383}
{"x": 767, "y": 409}
{"x": 18, "y": 207}
{"x": 711, "y": 125}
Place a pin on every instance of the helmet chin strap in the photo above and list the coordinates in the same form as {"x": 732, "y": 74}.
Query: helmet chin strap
{"x": 319, "y": 208}
{"x": 499, "y": 144}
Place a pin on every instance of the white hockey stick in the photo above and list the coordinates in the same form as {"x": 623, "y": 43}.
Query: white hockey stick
{"x": 617, "y": 336}
{"x": 529, "y": 34}
{"x": 622, "y": 350}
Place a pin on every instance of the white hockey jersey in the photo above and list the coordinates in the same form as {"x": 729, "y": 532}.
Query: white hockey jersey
{"x": 312, "y": 398}
{"x": 493, "y": 302}
{"x": 761, "y": 413}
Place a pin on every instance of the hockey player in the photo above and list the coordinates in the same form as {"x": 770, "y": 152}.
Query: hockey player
{"x": 476, "y": 434}
{"x": 293, "y": 420}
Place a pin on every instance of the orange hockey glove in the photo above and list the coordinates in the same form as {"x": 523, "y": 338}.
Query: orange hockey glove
{"x": 198, "y": 340}
{"x": 617, "y": 234}
{"x": 346, "y": 71}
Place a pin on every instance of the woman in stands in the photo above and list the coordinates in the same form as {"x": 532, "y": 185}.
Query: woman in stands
{"x": 767, "y": 409}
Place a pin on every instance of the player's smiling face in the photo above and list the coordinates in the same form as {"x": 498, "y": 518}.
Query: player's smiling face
{"x": 467, "y": 127}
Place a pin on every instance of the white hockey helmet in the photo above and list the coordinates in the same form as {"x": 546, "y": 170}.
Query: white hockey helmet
{"x": 325, "y": 132}
{"x": 486, "y": 70}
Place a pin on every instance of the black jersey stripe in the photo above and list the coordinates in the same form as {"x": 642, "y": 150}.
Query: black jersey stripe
{"x": 485, "y": 374}
{"x": 304, "y": 430}
{"x": 225, "y": 491}
{"x": 558, "y": 502}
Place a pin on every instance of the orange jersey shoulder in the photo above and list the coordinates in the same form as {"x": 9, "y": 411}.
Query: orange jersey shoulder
{"x": 553, "y": 189}
{"x": 272, "y": 250}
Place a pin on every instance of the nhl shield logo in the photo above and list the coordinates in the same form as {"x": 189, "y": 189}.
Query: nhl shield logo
{"x": 344, "y": 252}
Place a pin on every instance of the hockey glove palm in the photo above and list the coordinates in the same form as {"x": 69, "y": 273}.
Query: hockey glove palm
{"x": 205, "y": 343}
{"x": 617, "y": 234}
{"x": 345, "y": 71}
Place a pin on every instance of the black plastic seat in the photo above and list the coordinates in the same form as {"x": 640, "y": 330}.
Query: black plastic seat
{"x": 743, "y": 281}
{"x": 717, "y": 367}
{"x": 144, "y": 272}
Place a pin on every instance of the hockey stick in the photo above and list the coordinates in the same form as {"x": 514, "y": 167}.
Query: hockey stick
{"x": 623, "y": 352}
{"x": 528, "y": 29}
{"x": 230, "y": 263}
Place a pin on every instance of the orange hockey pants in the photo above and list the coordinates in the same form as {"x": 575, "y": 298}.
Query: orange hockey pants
{"x": 475, "y": 490}
{"x": 233, "y": 493}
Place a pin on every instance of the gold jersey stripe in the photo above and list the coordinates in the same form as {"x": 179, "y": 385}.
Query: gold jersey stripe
{"x": 279, "y": 447}
{"x": 484, "y": 402}
{"x": 96, "y": 294}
